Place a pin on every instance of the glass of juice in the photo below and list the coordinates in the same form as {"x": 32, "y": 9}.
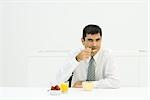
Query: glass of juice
{"x": 64, "y": 86}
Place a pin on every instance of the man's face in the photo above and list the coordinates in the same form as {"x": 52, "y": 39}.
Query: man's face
{"x": 92, "y": 41}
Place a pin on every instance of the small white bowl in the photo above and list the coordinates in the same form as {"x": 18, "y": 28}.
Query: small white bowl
{"x": 87, "y": 86}
{"x": 55, "y": 92}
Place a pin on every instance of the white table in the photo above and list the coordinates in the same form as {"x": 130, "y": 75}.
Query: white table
{"x": 32, "y": 93}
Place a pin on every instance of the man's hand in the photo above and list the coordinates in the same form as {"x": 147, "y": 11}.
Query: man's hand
{"x": 78, "y": 84}
{"x": 84, "y": 54}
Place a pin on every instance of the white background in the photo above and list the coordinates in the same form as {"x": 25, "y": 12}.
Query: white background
{"x": 35, "y": 37}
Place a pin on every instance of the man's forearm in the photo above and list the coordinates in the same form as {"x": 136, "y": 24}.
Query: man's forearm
{"x": 107, "y": 83}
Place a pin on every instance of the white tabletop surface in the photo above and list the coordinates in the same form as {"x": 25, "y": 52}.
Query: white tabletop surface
{"x": 33, "y": 93}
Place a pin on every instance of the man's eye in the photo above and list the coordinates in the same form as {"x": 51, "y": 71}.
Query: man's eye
{"x": 90, "y": 40}
{"x": 97, "y": 39}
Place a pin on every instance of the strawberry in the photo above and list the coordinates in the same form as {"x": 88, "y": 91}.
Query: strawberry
{"x": 52, "y": 87}
{"x": 57, "y": 87}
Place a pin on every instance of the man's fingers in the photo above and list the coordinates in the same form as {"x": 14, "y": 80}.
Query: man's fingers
{"x": 87, "y": 55}
{"x": 87, "y": 49}
{"x": 78, "y": 84}
{"x": 94, "y": 50}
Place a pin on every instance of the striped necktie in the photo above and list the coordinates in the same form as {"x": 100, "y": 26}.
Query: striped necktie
{"x": 91, "y": 70}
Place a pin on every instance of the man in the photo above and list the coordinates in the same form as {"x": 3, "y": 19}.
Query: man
{"x": 91, "y": 63}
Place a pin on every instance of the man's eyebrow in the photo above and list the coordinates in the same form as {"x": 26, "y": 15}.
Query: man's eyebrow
{"x": 90, "y": 39}
{"x": 98, "y": 38}
{"x": 94, "y": 39}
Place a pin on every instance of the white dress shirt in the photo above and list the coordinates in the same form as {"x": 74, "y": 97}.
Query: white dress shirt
{"x": 106, "y": 73}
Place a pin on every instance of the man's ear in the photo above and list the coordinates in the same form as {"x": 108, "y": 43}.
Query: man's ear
{"x": 82, "y": 40}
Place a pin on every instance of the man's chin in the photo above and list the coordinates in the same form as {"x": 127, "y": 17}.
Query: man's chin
{"x": 93, "y": 53}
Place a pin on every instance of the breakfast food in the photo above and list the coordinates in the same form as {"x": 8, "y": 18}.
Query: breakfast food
{"x": 56, "y": 87}
{"x": 55, "y": 90}
{"x": 64, "y": 86}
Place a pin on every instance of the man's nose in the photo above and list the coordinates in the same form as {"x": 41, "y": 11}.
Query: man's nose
{"x": 94, "y": 43}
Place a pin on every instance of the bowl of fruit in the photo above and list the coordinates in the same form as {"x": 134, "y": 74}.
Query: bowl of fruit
{"x": 55, "y": 90}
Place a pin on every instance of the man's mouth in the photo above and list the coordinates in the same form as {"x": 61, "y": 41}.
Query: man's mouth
{"x": 93, "y": 48}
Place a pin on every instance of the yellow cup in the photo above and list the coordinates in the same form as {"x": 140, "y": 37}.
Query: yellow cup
{"x": 87, "y": 86}
{"x": 64, "y": 86}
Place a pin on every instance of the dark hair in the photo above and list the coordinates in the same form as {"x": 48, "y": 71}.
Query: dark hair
{"x": 91, "y": 29}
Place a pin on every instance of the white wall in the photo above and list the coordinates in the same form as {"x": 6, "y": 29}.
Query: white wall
{"x": 31, "y": 27}
{"x": 148, "y": 39}
{"x": 0, "y": 50}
